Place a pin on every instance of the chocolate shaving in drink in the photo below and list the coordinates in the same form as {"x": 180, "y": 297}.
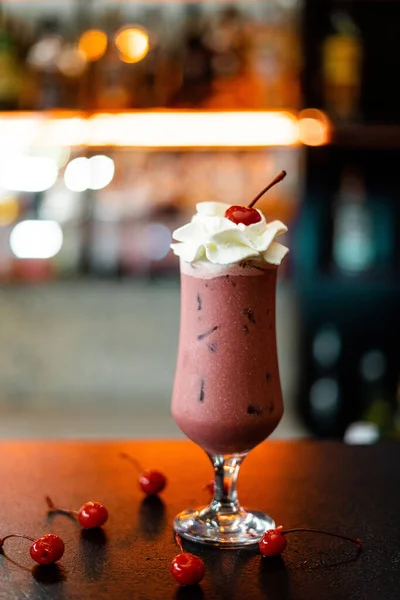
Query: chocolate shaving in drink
{"x": 268, "y": 377}
{"x": 201, "y": 397}
{"x": 201, "y": 336}
{"x": 254, "y": 410}
{"x": 212, "y": 347}
{"x": 247, "y": 264}
{"x": 249, "y": 314}
{"x": 198, "y": 302}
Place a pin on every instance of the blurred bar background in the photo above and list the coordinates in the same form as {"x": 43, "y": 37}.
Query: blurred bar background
{"x": 116, "y": 117}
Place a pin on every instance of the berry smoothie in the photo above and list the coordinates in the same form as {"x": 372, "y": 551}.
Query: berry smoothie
{"x": 227, "y": 395}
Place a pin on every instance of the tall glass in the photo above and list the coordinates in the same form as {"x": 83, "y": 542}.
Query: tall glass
{"x": 227, "y": 395}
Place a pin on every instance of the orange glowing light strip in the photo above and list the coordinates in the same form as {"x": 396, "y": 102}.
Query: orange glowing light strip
{"x": 150, "y": 129}
{"x": 141, "y": 2}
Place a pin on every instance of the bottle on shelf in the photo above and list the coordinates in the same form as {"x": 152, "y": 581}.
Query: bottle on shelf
{"x": 353, "y": 246}
{"x": 110, "y": 86}
{"x": 195, "y": 58}
{"x": 342, "y": 57}
{"x": 274, "y": 60}
{"x": 229, "y": 43}
{"x": 10, "y": 68}
{"x": 42, "y": 60}
{"x": 379, "y": 409}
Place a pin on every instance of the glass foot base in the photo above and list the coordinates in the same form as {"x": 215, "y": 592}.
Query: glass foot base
{"x": 222, "y": 528}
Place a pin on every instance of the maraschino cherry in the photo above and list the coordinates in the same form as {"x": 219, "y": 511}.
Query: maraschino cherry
{"x": 242, "y": 214}
{"x": 45, "y": 550}
{"x": 247, "y": 215}
{"x": 90, "y": 515}
{"x": 187, "y": 568}
{"x": 273, "y": 542}
{"x": 151, "y": 481}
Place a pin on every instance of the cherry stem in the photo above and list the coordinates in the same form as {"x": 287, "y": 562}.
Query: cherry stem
{"x": 277, "y": 179}
{"x": 133, "y": 461}
{"x": 15, "y": 535}
{"x": 53, "y": 508}
{"x": 342, "y": 537}
{"x": 178, "y": 540}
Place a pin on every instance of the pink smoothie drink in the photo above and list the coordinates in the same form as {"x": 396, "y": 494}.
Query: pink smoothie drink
{"x": 227, "y": 395}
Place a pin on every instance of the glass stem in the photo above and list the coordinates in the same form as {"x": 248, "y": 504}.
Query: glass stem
{"x": 226, "y": 471}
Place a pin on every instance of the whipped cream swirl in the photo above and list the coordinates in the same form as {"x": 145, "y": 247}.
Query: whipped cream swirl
{"x": 211, "y": 236}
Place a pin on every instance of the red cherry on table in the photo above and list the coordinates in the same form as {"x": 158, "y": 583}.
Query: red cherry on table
{"x": 92, "y": 514}
{"x": 152, "y": 482}
{"x": 47, "y": 550}
{"x": 272, "y": 543}
{"x": 242, "y": 214}
{"x": 187, "y": 568}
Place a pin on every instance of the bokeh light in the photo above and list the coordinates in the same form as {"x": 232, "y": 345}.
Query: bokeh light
{"x": 150, "y": 129}
{"x": 324, "y": 397}
{"x": 71, "y": 62}
{"x": 77, "y": 175}
{"x": 101, "y": 171}
{"x": 9, "y": 209}
{"x": 158, "y": 239}
{"x": 93, "y": 44}
{"x": 61, "y": 205}
{"x": 133, "y": 43}
{"x": 28, "y": 173}
{"x": 313, "y": 127}
{"x": 173, "y": 129}
{"x": 373, "y": 365}
{"x": 93, "y": 173}
{"x": 44, "y": 54}
{"x": 36, "y": 239}
{"x": 327, "y": 346}
{"x": 361, "y": 432}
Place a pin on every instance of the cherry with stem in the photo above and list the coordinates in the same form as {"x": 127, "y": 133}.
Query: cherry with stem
{"x": 150, "y": 481}
{"x": 90, "y": 515}
{"x": 187, "y": 568}
{"x": 274, "y": 543}
{"x": 247, "y": 215}
{"x": 45, "y": 550}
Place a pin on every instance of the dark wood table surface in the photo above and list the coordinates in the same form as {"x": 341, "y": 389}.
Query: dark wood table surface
{"x": 349, "y": 490}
